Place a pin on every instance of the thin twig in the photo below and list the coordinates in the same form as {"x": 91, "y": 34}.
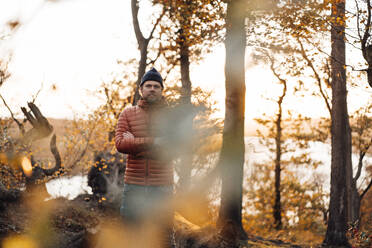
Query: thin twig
{"x": 358, "y": 18}
{"x": 310, "y": 63}
{"x": 20, "y": 125}
{"x": 366, "y": 30}
{"x": 77, "y": 160}
{"x": 37, "y": 93}
{"x": 156, "y": 58}
{"x": 156, "y": 24}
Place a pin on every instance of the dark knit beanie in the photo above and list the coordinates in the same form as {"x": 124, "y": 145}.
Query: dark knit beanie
{"x": 152, "y": 75}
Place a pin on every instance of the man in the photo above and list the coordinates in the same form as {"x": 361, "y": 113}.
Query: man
{"x": 148, "y": 179}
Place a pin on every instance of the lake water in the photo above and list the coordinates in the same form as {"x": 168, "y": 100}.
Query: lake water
{"x": 68, "y": 187}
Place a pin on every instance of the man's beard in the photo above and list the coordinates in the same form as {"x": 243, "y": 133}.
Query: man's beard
{"x": 151, "y": 99}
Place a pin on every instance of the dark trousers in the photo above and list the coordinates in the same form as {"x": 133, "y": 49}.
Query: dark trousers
{"x": 150, "y": 208}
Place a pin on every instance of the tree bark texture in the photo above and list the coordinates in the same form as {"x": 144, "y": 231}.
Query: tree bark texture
{"x": 232, "y": 151}
{"x": 186, "y": 158}
{"x": 355, "y": 204}
{"x": 367, "y": 48}
{"x": 356, "y": 197}
{"x": 277, "y": 208}
{"x": 277, "y": 205}
{"x": 185, "y": 72}
{"x": 278, "y": 160}
{"x": 142, "y": 46}
{"x": 341, "y": 149}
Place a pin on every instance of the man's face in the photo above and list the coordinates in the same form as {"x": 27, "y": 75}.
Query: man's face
{"x": 151, "y": 91}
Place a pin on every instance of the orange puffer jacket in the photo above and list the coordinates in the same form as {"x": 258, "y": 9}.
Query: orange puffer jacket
{"x": 144, "y": 167}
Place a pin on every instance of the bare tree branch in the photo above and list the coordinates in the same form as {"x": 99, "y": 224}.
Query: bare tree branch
{"x": 366, "y": 190}
{"x": 41, "y": 127}
{"x": 4, "y": 74}
{"x": 156, "y": 24}
{"x": 20, "y": 125}
{"x": 366, "y": 30}
{"x": 358, "y": 19}
{"x": 328, "y": 55}
{"x": 282, "y": 81}
{"x": 316, "y": 74}
{"x": 37, "y": 93}
{"x": 87, "y": 139}
{"x": 169, "y": 70}
{"x": 57, "y": 157}
{"x": 137, "y": 30}
{"x": 156, "y": 58}
{"x": 360, "y": 166}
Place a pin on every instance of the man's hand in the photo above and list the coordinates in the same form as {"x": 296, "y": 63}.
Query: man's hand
{"x": 128, "y": 135}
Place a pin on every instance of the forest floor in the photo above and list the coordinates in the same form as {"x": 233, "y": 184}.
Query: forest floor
{"x": 84, "y": 222}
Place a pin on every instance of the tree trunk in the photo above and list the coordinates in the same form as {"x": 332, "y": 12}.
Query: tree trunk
{"x": 367, "y": 49}
{"x": 355, "y": 196}
{"x": 186, "y": 158}
{"x": 141, "y": 70}
{"x": 350, "y": 184}
{"x": 232, "y": 152}
{"x": 355, "y": 204}
{"x": 341, "y": 152}
{"x": 278, "y": 141}
{"x": 142, "y": 45}
{"x": 369, "y": 75}
{"x": 277, "y": 209}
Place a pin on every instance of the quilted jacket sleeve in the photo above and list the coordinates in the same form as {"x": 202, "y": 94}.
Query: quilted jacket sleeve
{"x": 129, "y": 145}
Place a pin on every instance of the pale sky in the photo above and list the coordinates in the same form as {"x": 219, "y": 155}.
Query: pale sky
{"x": 74, "y": 44}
